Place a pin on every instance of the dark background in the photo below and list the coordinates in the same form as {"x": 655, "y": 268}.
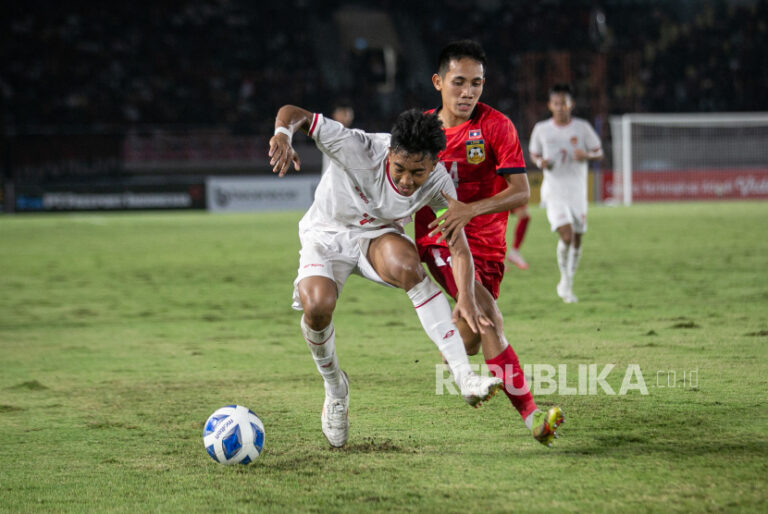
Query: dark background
{"x": 81, "y": 83}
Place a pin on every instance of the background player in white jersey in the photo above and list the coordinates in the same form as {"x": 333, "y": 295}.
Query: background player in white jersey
{"x": 373, "y": 183}
{"x": 562, "y": 146}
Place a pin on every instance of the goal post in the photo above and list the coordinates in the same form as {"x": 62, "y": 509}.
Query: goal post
{"x": 669, "y": 157}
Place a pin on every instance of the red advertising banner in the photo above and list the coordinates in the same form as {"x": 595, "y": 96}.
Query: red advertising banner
{"x": 733, "y": 184}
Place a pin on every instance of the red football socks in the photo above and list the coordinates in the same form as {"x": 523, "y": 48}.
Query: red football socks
{"x": 506, "y": 367}
{"x": 522, "y": 225}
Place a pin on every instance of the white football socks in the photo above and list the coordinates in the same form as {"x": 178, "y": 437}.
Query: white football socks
{"x": 574, "y": 255}
{"x": 562, "y": 258}
{"x": 529, "y": 419}
{"x": 323, "y": 347}
{"x": 434, "y": 312}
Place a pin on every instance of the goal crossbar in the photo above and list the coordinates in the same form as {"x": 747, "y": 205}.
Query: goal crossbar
{"x": 660, "y": 143}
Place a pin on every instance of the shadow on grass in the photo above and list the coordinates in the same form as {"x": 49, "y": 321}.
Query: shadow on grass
{"x": 310, "y": 460}
{"x": 32, "y": 385}
{"x": 629, "y": 445}
{"x": 372, "y": 446}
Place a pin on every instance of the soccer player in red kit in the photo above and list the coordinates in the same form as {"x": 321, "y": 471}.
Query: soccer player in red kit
{"x": 513, "y": 255}
{"x": 484, "y": 158}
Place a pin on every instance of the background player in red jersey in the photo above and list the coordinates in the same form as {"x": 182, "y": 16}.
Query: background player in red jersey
{"x": 513, "y": 255}
{"x": 484, "y": 158}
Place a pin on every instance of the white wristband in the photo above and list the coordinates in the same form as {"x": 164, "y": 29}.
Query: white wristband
{"x": 283, "y": 130}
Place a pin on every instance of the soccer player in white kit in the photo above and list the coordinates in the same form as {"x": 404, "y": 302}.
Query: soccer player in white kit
{"x": 562, "y": 146}
{"x": 355, "y": 225}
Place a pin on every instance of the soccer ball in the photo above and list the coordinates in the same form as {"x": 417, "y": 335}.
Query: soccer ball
{"x": 233, "y": 435}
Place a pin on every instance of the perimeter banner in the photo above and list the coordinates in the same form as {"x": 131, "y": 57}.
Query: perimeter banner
{"x": 109, "y": 197}
{"x": 247, "y": 194}
{"x": 670, "y": 185}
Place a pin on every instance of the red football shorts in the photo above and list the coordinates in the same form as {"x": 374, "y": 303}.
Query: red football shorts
{"x": 438, "y": 260}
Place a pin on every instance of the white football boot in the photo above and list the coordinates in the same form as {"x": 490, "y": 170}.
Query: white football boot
{"x": 515, "y": 258}
{"x": 564, "y": 290}
{"x": 335, "y": 417}
{"x": 476, "y": 389}
{"x": 570, "y": 297}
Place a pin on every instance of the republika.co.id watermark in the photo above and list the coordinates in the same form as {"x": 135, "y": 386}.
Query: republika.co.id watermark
{"x": 586, "y": 379}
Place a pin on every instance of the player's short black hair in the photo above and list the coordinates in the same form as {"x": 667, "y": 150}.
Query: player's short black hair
{"x": 458, "y": 50}
{"x": 415, "y": 132}
{"x": 342, "y": 103}
{"x": 561, "y": 89}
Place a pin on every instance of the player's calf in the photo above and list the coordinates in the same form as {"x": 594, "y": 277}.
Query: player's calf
{"x": 472, "y": 341}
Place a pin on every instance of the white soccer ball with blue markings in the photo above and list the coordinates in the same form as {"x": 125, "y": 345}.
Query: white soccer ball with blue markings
{"x": 233, "y": 435}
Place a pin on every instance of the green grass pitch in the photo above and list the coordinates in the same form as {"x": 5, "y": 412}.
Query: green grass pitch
{"x": 121, "y": 333}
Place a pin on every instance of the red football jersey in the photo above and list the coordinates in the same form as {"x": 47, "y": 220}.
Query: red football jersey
{"x": 477, "y": 155}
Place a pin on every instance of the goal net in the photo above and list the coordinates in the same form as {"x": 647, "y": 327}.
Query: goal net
{"x": 663, "y": 157}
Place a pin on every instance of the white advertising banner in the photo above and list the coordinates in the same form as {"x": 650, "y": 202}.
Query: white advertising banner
{"x": 247, "y": 194}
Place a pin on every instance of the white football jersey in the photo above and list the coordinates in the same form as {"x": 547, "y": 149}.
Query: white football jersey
{"x": 356, "y": 191}
{"x": 567, "y": 180}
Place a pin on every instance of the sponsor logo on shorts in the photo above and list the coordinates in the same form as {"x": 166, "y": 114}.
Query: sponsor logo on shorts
{"x": 449, "y": 334}
{"x": 314, "y": 265}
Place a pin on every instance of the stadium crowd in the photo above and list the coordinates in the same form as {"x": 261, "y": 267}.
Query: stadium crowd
{"x": 219, "y": 62}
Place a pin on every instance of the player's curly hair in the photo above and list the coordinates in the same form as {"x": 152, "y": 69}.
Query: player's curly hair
{"x": 458, "y": 50}
{"x": 415, "y": 132}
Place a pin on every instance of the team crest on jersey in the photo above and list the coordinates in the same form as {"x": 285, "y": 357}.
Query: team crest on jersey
{"x": 475, "y": 151}
{"x": 574, "y": 140}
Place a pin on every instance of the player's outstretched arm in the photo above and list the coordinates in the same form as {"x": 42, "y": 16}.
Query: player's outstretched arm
{"x": 464, "y": 274}
{"x": 289, "y": 119}
{"x": 451, "y": 221}
{"x": 458, "y": 214}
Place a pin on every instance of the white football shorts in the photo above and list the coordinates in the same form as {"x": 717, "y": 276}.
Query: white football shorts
{"x": 561, "y": 213}
{"x": 336, "y": 255}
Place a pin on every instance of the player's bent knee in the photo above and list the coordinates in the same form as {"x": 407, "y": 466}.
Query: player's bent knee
{"x": 411, "y": 274}
{"x": 319, "y": 304}
{"x": 404, "y": 274}
{"x": 396, "y": 261}
{"x": 317, "y": 319}
{"x": 318, "y": 300}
